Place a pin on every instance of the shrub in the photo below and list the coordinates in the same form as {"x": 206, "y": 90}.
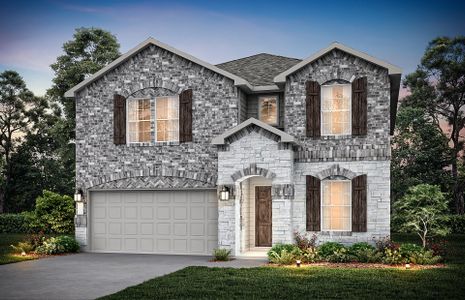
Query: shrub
{"x": 367, "y": 255}
{"x": 329, "y": 248}
{"x": 53, "y": 213}
{"x": 310, "y": 255}
{"x": 57, "y": 245}
{"x": 13, "y": 223}
{"x": 278, "y": 248}
{"x": 283, "y": 258}
{"x": 438, "y": 246}
{"x": 424, "y": 257}
{"x": 385, "y": 243}
{"x": 392, "y": 257}
{"x": 408, "y": 248}
{"x": 340, "y": 255}
{"x": 303, "y": 242}
{"x": 457, "y": 223}
{"x": 360, "y": 246}
{"x": 25, "y": 247}
{"x": 221, "y": 254}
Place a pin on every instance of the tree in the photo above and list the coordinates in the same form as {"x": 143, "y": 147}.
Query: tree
{"x": 90, "y": 50}
{"x": 420, "y": 152}
{"x": 17, "y": 105}
{"x": 438, "y": 85}
{"x": 423, "y": 211}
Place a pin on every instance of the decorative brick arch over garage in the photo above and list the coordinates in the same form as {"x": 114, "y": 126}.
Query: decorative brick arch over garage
{"x": 154, "y": 178}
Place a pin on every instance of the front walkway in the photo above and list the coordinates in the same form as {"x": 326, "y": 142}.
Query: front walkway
{"x": 91, "y": 275}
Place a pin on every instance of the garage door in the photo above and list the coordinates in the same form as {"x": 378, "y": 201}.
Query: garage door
{"x": 164, "y": 222}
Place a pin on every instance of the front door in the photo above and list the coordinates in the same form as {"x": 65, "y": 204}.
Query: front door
{"x": 263, "y": 216}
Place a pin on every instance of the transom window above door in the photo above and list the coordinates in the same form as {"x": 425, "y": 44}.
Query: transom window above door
{"x": 162, "y": 119}
{"x": 336, "y": 109}
{"x": 268, "y": 109}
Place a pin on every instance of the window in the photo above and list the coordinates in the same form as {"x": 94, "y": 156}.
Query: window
{"x": 139, "y": 117}
{"x": 167, "y": 119}
{"x": 268, "y": 109}
{"x": 336, "y": 109}
{"x": 336, "y": 205}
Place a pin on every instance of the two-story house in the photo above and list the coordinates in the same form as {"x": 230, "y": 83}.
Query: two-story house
{"x": 178, "y": 156}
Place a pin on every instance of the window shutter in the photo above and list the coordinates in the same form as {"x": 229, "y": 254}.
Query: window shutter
{"x": 312, "y": 103}
{"x": 313, "y": 205}
{"x": 119, "y": 120}
{"x": 359, "y": 204}
{"x": 185, "y": 116}
{"x": 359, "y": 106}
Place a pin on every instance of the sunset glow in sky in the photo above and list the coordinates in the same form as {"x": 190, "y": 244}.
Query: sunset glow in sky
{"x": 32, "y": 32}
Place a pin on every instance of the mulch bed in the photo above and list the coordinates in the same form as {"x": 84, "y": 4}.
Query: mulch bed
{"x": 357, "y": 265}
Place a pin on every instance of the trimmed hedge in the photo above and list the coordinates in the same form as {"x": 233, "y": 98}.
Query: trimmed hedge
{"x": 13, "y": 223}
{"x": 457, "y": 223}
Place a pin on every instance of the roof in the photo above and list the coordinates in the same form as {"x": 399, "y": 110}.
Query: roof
{"x": 259, "y": 69}
{"x": 392, "y": 69}
{"x": 284, "y": 137}
{"x": 140, "y": 47}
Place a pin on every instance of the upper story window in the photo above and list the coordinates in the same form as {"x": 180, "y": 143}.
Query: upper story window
{"x": 139, "y": 121}
{"x": 336, "y": 109}
{"x": 336, "y": 206}
{"x": 268, "y": 109}
{"x": 164, "y": 118}
{"x": 167, "y": 119}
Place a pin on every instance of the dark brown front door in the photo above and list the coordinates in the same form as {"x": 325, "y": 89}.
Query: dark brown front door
{"x": 263, "y": 216}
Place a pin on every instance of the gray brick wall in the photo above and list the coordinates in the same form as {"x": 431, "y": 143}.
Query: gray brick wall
{"x": 152, "y": 72}
{"x": 340, "y": 65}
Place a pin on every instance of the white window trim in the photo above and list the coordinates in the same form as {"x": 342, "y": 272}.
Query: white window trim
{"x": 128, "y": 142}
{"x": 155, "y": 119}
{"x": 350, "y": 112}
{"x": 350, "y": 205}
{"x": 277, "y": 108}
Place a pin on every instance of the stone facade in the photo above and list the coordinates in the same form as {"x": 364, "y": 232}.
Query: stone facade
{"x": 218, "y": 105}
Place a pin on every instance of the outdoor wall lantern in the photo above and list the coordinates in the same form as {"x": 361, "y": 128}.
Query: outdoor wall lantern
{"x": 79, "y": 204}
{"x": 224, "y": 193}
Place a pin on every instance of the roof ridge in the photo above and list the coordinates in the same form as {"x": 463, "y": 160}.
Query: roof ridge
{"x": 261, "y": 53}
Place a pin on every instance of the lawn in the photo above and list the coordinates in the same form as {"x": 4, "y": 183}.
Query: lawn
{"x": 310, "y": 282}
{"x": 6, "y": 252}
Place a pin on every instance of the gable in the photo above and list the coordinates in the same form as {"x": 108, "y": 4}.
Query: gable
{"x": 250, "y": 126}
{"x": 139, "y": 48}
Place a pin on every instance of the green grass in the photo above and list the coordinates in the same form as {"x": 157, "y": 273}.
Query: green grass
{"x": 310, "y": 282}
{"x": 6, "y": 252}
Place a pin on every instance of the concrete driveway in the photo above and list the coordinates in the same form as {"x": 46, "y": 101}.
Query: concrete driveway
{"x": 91, "y": 275}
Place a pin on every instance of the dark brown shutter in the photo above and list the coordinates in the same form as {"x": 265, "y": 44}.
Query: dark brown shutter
{"x": 359, "y": 106}
{"x": 119, "y": 120}
{"x": 185, "y": 116}
{"x": 312, "y": 104}
{"x": 313, "y": 203}
{"x": 359, "y": 204}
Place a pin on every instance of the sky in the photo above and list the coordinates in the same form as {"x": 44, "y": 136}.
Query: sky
{"x": 33, "y": 32}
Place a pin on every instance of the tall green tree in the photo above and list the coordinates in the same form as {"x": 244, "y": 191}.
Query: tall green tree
{"x": 17, "y": 107}
{"x": 420, "y": 152}
{"x": 438, "y": 85}
{"x": 88, "y": 51}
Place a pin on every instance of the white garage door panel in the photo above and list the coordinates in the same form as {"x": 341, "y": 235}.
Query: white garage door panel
{"x": 165, "y": 222}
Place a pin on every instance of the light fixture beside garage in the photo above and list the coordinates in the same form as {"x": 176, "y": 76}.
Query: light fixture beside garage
{"x": 79, "y": 204}
{"x": 224, "y": 193}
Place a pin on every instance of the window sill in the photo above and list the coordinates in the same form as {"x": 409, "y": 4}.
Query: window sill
{"x": 151, "y": 144}
{"x": 336, "y": 233}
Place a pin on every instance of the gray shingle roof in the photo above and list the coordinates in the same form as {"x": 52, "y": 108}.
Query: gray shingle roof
{"x": 259, "y": 69}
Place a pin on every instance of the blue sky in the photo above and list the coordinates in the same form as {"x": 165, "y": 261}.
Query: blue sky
{"x": 32, "y": 32}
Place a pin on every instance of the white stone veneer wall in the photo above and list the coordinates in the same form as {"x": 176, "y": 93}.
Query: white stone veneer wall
{"x": 378, "y": 199}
